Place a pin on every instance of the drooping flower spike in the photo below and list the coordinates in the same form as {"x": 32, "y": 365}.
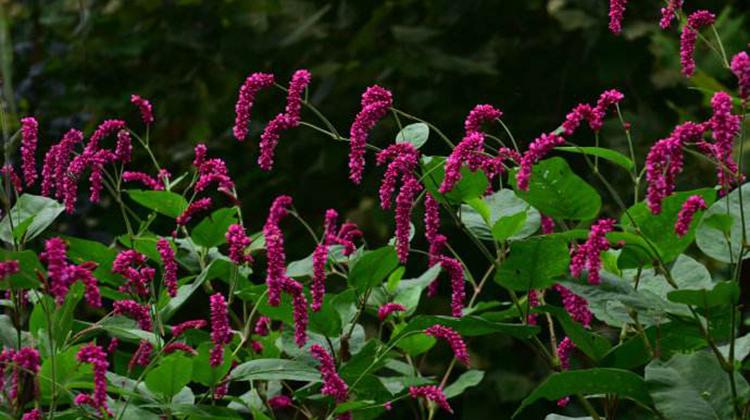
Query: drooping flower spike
{"x": 238, "y": 242}
{"x": 10, "y": 174}
{"x": 211, "y": 171}
{"x": 563, "y": 350}
{"x": 588, "y": 255}
{"x": 480, "y": 114}
{"x": 254, "y": 83}
{"x": 404, "y": 159}
{"x": 696, "y": 21}
{"x": 669, "y": 13}
{"x": 537, "y": 150}
{"x": 594, "y": 115}
{"x": 141, "y": 356}
{"x": 454, "y": 340}
{"x": 220, "y": 332}
{"x": 725, "y": 127}
{"x": 144, "y": 107}
{"x": 95, "y": 355}
{"x": 691, "y": 206}
{"x": 375, "y": 104}
{"x": 140, "y": 313}
{"x": 333, "y": 385}
{"x": 179, "y": 329}
{"x": 741, "y": 68}
{"x": 576, "y": 306}
{"x": 386, "y": 309}
{"x": 431, "y": 393}
{"x": 61, "y": 275}
{"x": 143, "y": 178}
{"x": 299, "y": 305}
{"x": 197, "y": 206}
{"x": 276, "y": 269}
{"x": 29, "y": 141}
{"x": 130, "y": 264}
{"x": 404, "y": 207}
{"x": 170, "y": 265}
{"x": 470, "y": 152}
{"x": 56, "y": 162}
{"x": 616, "y": 12}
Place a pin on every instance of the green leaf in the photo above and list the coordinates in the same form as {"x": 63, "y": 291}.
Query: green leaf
{"x": 416, "y": 134}
{"x": 203, "y": 373}
{"x": 611, "y": 155}
{"x": 593, "y": 345}
{"x": 31, "y": 214}
{"x": 274, "y": 370}
{"x": 169, "y": 306}
{"x": 409, "y": 291}
{"x": 471, "y": 185}
{"x": 557, "y": 192}
{"x": 508, "y": 226}
{"x": 171, "y": 374}
{"x": 623, "y": 383}
{"x": 394, "y": 279}
{"x": 659, "y": 228}
{"x": 534, "y": 264}
{"x": 67, "y": 372}
{"x": 467, "y": 379}
{"x": 693, "y": 386}
{"x": 211, "y": 231}
{"x": 373, "y": 267}
{"x": 82, "y": 250}
{"x": 481, "y": 215}
{"x": 722, "y": 293}
{"x": 126, "y": 329}
{"x": 467, "y": 326}
{"x": 27, "y": 277}
{"x": 725, "y": 244}
{"x": 163, "y": 202}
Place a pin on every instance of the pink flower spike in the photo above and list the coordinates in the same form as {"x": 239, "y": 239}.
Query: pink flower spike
{"x": 588, "y": 255}
{"x": 29, "y": 141}
{"x": 741, "y": 68}
{"x": 141, "y": 356}
{"x": 696, "y": 21}
{"x": 669, "y": 13}
{"x": 262, "y": 326}
{"x": 144, "y": 106}
{"x": 9, "y": 268}
{"x": 93, "y": 354}
{"x": 124, "y": 146}
{"x": 691, "y": 206}
{"x": 616, "y": 12}
{"x": 537, "y": 150}
{"x": 246, "y": 97}
{"x": 55, "y": 257}
{"x": 197, "y": 206}
{"x": 276, "y": 269}
{"x": 15, "y": 181}
{"x": 480, "y": 114}
{"x": 453, "y": 339}
{"x": 279, "y": 402}
{"x": 576, "y": 306}
{"x": 194, "y": 324}
{"x": 333, "y": 385}
{"x": 136, "y": 311}
{"x": 238, "y": 242}
{"x": 431, "y": 217}
{"x": 388, "y": 309}
{"x": 548, "y": 225}
{"x": 299, "y": 303}
{"x": 220, "y": 332}
{"x": 375, "y": 104}
{"x": 34, "y": 414}
{"x": 170, "y": 265}
{"x": 431, "y": 393}
{"x": 143, "y": 178}
{"x": 181, "y": 347}
{"x": 404, "y": 207}
{"x": 470, "y": 152}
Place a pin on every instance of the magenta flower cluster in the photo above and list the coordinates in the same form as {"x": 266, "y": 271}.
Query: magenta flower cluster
{"x": 376, "y": 101}
{"x": 145, "y": 108}
{"x": 691, "y": 206}
{"x": 238, "y": 242}
{"x": 220, "y": 331}
{"x": 170, "y": 265}
{"x": 454, "y": 340}
{"x": 588, "y": 255}
{"x": 696, "y": 21}
{"x": 253, "y": 84}
{"x": 140, "y": 313}
{"x": 388, "y": 308}
{"x": 333, "y": 385}
{"x": 93, "y": 354}
{"x": 61, "y": 275}
{"x": 431, "y": 393}
{"x": 29, "y": 141}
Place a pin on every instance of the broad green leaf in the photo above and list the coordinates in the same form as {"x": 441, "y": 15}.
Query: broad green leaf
{"x": 164, "y": 202}
{"x": 416, "y": 134}
{"x": 171, "y": 374}
{"x": 471, "y": 185}
{"x": 592, "y": 344}
{"x": 211, "y": 231}
{"x": 659, "y": 228}
{"x": 126, "y": 329}
{"x": 361, "y": 362}
{"x": 508, "y": 226}
{"x": 409, "y": 291}
{"x": 373, "y": 267}
{"x": 611, "y": 155}
{"x": 722, "y": 293}
{"x": 557, "y": 192}
{"x": 725, "y": 244}
{"x": 394, "y": 279}
{"x": 82, "y": 250}
{"x": 33, "y": 213}
{"x": 481, "y": 215}
{"x": 623, "y": 383}
{"x": 693, "y": 386}
{"x": 203, "y": 373}
{"x": 534, "y": 264}
{"x": 304, "y": 267}
{"x": 67, "y": 371}
{"x": 169, "y": 306}
{"x": 467, "y": 326}
{"x": 275, "y": 370}
{"x": 467, "y": 379}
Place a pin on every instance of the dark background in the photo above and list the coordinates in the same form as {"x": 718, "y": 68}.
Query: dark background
{"x": 74, "y": 63}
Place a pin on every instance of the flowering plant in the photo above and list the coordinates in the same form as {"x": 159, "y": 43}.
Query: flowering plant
{"x": 195, "y": 312}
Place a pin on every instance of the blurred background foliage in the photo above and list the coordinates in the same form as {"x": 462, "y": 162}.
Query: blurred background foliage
{"x": 73, "y": 63}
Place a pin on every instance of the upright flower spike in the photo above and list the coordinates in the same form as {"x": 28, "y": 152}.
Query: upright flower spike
{"x": 616, "y": 12}
{"x": 276, "y": 270}
{"x": 144, "y": 106}
{"x": 431, "y": 217}
{"x": 563, "y": 350}
{"x": 404, "y": 206}
{"x": 56, "y": 162}
{"x": 194, "y": 324}
{"x": 576, "y": 306}
{"x": 741, "y": 68}
{"x": 388, "y": 308}
{"x": 220, "y": 332}
{"x": 537, "y": 150}
{"x": 95, "y": 355}
{"x": 454, "y": 340}
{"x": 238, "y": 242}
{"x": 29, "y": 141}
{"x": 290, "y": 118}
{"x": 124, "y": 146}
{"x": 669, "y": 13}
{"x": 696, "y": 21}
{"x": 375, "y": 104}
{"x": 135, "y": 310}
{"x": 665, "y": 161}
{"x": 197, "y": 206}
{"x": 333, "y": 385}
{"x": 691, "y": 206}
{"x": 431, "y": 393}
{"x": 246, "y": 97}
{"x": 725, "y": 127}
{"x": 170, "y": 265}
{"x": 588, "y": 255}
{"x": 480, "y": 114}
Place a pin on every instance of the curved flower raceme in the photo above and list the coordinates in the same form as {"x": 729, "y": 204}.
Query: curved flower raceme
{"x": 469, "y": 151}
{"x": 616, "y": 12}
{"x": 262, "y": 326}
{"x": 56, "y": 162}
{"x": 299, "y": 304}
{"x": 276, "y": 270}
{"x": 181, "y": 347}
{"x": 454, "y": 340}
{"x": 15, "y": 181}
{"x": 95, "y": 355}
{"x": 333, "y": 385}
{"x": 431, "y": 393}
{"x": 197, "y": 206}
{"x": 61, "y": 274}
{"x": 211, "y": 171}
{"x": 238, "y": 242}
{"x": 563, "y": 350}
{"x": 404, "y": 159}
{"x": 576, "y": 306}
{"x": 142, "y": 355}
{"x": 193, "y": 324}
{"x": 696, "y": 21}
{"x": 404, "y": 207}
{"x": 246, "y": 97}
{"x": 140, "y": 313}
{"x": 386, "y": 309}
{"x": 741, "y": 68}
{"x": 220, "y": 332}
{"x": 431, "y": 217}
{"x": 143, "y": 178}
{"x": 144, "y": 107}
{"x": 170, "y": 265}
{"x": 594, "y": 115}
{"x": 725, "y": 127}
{"x": 375, "y": 104}
{"x": 290, "y": 118}
{"x": 480, "y": 114}
{"x": 129, "y": 263}
{"x": 669, "y": 13}
{"x": 588, "y": 255}
{"x": 691, "y": 206}
{"x": 29, "y": 141}
{"x": 537, "y": 150}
